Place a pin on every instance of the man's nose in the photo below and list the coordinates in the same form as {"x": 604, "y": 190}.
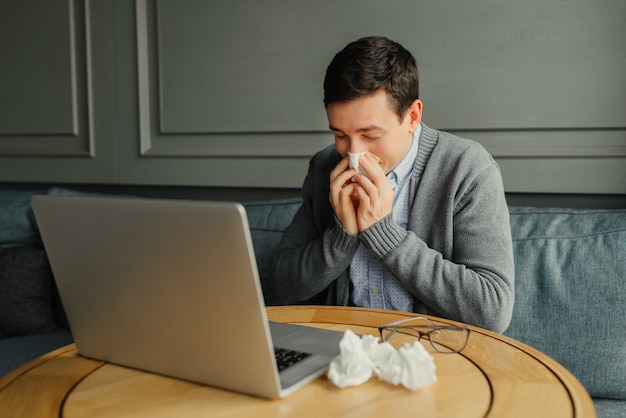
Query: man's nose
{"x": 357, "y": 146}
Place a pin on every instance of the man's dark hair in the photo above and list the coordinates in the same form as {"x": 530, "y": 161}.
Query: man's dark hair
{"x": 368, "y": 65}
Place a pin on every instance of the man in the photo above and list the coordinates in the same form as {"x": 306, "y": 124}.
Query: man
{"x": 424, "y": 228}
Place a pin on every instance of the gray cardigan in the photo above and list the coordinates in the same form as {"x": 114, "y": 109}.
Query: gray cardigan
{"x": 456, "y": 256}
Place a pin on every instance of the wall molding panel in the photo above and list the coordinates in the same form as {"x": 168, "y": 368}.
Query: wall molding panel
{"x": 48, "y": 101}
{"x": 165, "y": 130}
{"x": 49, "y": 122}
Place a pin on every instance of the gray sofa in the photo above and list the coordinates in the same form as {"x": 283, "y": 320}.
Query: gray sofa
{"x": 570, "y": 288}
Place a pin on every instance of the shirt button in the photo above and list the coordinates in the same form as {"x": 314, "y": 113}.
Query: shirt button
{"x": 375, "y": 290}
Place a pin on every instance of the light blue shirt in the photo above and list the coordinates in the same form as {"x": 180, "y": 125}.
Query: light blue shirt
{"x": 374, "y": 285}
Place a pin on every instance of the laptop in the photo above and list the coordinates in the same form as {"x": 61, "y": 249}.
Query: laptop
{"x": 172, "y": 287}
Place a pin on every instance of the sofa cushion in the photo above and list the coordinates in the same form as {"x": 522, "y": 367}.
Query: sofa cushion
{"x": 15, "y": 351}
{"x": 267, "y": 222}
{"x": 25, "y": 291}
{"x": 609, "y": 408}
{"x": 570, "y": 292}
{"x": 16, "y": 220}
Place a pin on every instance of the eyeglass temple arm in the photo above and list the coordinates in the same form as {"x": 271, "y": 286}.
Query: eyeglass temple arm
{"x": 401, "y": 321}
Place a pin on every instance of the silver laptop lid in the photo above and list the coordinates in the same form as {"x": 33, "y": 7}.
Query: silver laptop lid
{"x": 165, "y": 286}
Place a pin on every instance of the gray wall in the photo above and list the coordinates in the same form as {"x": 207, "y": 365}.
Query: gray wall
{"x": 192, "y": 93}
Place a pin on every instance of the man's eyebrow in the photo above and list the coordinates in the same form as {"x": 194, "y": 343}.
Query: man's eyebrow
{"x": 365, "y": 129}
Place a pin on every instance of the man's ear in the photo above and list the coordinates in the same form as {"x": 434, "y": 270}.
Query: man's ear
{"x": 414, "y": 113}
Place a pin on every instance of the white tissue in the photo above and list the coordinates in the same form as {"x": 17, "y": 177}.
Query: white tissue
{"x": 353, "y": 366}
{"x": 359, "y": 358}
{"x": 353, "y": 161}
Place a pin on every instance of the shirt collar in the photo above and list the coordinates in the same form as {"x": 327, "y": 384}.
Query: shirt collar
{"x": 405, "y": 167}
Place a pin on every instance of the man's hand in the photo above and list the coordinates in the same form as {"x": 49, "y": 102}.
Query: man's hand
{"x": 341, "y": 193}
{"x": 375, "y": 195}
{"x": 359, "y": 201}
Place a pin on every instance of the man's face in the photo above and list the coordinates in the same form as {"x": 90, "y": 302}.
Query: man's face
{"x": 370, "y": 124}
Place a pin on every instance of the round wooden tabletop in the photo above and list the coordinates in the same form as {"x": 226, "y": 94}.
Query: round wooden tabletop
{"x": 494, "y": 376}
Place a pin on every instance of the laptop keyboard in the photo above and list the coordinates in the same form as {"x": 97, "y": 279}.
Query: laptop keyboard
{"x": 286, "y": 357}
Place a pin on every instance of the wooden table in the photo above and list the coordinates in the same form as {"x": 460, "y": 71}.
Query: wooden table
{"x": 494, "y": 376}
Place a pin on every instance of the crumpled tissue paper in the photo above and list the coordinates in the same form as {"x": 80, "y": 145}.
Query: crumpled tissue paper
{"x": 360, "y": 357}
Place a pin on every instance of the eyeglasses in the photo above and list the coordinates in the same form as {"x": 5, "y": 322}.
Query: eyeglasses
{"x": 445, "y": 339}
